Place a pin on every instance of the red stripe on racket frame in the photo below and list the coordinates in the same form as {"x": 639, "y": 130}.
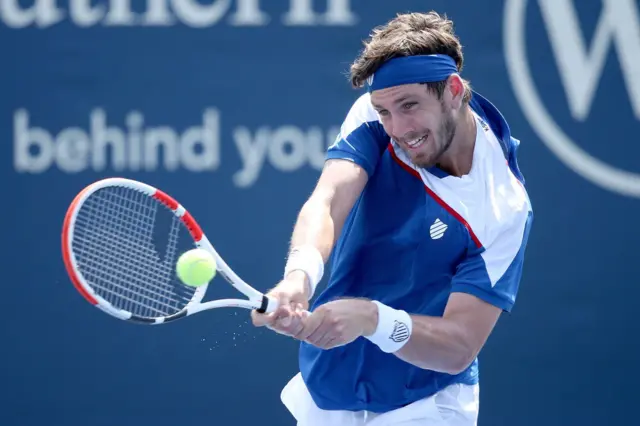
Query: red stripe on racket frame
{"x": 187, "y": 219}
{"x": 165, "y": 199}
{"x": 192, "y": 226}
{"x": 66, "y": 250}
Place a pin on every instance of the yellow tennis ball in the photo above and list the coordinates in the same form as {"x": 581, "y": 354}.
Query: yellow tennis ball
{"x": 196, "y": 267}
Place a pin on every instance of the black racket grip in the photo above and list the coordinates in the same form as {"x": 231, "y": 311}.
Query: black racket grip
{"x": 263, "y": 306}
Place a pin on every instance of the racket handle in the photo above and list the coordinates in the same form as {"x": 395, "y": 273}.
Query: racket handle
{"x": 269, "y": 304}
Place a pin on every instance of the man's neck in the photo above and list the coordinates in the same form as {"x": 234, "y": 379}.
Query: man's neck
{"x": 458, "y": 159}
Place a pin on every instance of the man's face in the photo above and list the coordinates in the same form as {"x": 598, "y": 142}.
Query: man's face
{"x": 417, "y": 120}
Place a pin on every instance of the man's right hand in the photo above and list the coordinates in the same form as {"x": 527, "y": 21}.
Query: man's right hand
{"x": 292, "y": 295}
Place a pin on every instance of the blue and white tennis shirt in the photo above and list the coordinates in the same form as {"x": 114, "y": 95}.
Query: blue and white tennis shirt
{"x": 415, "y": 236}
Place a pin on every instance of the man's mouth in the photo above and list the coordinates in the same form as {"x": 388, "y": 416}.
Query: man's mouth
{"x": 417, "y": 143}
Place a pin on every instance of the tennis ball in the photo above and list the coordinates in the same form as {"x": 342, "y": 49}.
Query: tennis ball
{"x": 196, "y": 267}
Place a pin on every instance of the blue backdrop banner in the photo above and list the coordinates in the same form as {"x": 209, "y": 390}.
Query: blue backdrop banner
{"x": 229, "y": 107}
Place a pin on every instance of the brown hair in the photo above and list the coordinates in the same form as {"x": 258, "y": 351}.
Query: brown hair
{"x": 407, "y": 35}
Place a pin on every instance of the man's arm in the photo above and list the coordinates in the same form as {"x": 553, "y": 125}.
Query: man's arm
{"x": 485, "y": 284}
{"x": 450, "y": 343}
{"x": 350, "y": 160}
{"x": 318, "y": 225}
{"x": 322, "y": 216}
{"x": 446, "y": 344}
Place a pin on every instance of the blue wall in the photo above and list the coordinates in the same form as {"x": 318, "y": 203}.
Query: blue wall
{"x": 266, "y": 79}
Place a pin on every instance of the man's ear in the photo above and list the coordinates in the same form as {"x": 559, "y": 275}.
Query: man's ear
{"x": 455, "y": 90}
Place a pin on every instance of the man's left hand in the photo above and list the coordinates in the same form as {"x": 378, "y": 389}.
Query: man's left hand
{"x": 339, "y": 322}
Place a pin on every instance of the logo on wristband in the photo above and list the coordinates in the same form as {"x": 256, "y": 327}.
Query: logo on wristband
{"x": 400, "y": 332}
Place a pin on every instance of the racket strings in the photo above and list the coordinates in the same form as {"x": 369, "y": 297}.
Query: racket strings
{"x": 119, "y": 242}
{"x": 115, "y": 244}
{"x": 158, "y": 301}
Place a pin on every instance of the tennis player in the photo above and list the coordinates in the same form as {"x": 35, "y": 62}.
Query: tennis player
{"x": 423, "y": 208}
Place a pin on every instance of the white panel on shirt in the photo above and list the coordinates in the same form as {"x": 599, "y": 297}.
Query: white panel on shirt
{"x": 361, "y": 112}
{"x": 490, "y": 198}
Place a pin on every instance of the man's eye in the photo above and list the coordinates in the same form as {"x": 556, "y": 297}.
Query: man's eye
{"x": 409, "y": 105}
{"x": 384, "y": 112}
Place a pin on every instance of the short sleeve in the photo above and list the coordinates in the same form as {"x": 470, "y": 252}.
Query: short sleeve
{"x": 493, "y": 273}
{"x": 362, "y": 138}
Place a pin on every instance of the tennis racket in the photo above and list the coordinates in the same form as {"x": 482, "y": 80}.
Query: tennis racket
{"x": 120, "y": 242}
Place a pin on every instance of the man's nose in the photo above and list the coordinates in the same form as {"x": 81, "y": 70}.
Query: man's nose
{"x": 401, "y": 126}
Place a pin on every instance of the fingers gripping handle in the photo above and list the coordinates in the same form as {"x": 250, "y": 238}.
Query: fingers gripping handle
{"x": 269, "y": 304}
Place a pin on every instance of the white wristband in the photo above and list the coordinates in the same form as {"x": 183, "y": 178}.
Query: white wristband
{"x": 309, "y": 260}
{"x": 393, "y": 329}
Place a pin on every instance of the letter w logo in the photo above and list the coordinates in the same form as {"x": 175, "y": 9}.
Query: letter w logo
{"x": 581, "y": 68}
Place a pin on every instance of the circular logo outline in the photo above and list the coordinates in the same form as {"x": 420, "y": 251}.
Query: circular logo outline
{"x": 594, "y": 170}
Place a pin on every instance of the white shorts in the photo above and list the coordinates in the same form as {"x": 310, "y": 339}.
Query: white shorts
{"x": 456, "y": 405}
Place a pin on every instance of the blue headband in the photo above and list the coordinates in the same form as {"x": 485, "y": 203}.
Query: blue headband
{"x": 412, "y": 69}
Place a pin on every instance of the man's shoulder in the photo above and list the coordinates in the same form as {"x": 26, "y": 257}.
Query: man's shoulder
{"x": 500, "y": 203}
{"x": 502, "y": 177}
{"x": 362, "y": 102}
{"x": 361, "y": 113}
{"x": 362, "y": 107}
{"x": 508, "y": 206}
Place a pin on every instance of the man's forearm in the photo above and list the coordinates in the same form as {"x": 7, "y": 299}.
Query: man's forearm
{"x": 315, "y": 226}
{"x": 447, "y": 344}
{"x": 437, "y": 344}
{"x": 322, "y": 216}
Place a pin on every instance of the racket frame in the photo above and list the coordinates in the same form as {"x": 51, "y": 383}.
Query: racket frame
{"x": 255, "y": 299}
